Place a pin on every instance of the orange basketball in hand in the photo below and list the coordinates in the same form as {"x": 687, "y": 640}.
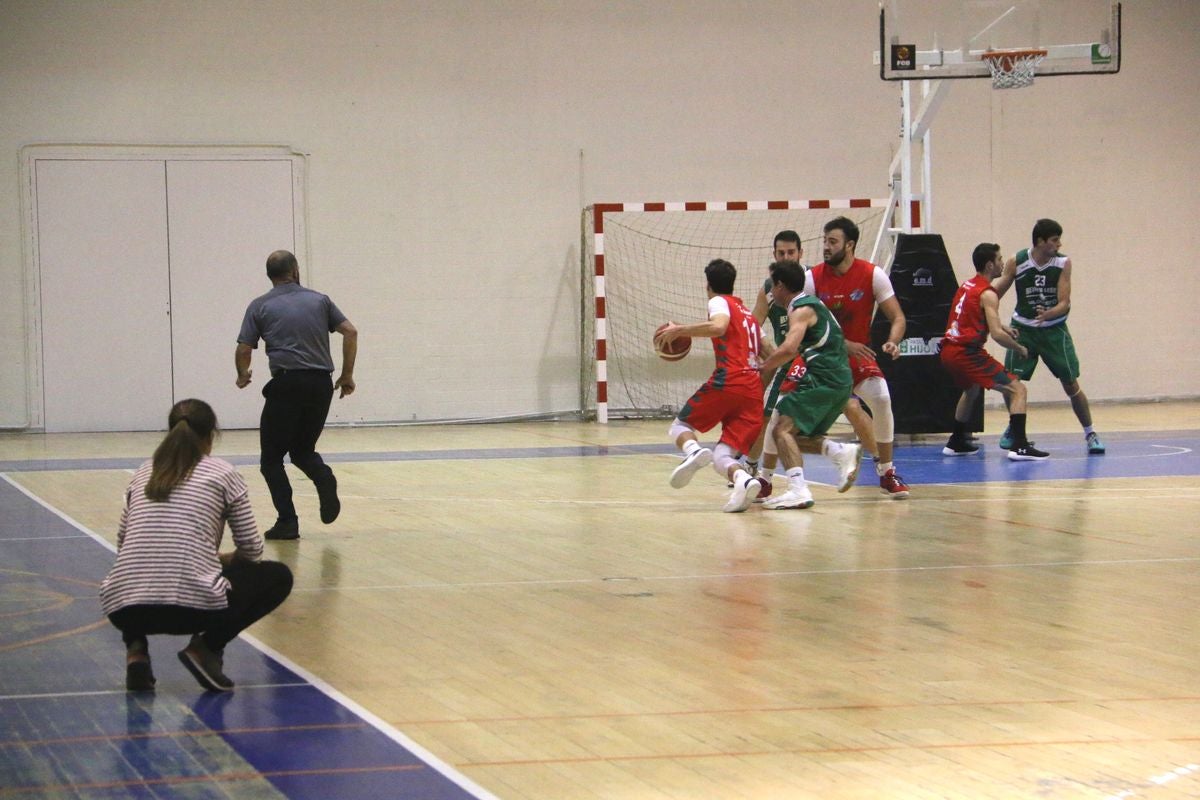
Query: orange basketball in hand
{"x": 673, "y": 351}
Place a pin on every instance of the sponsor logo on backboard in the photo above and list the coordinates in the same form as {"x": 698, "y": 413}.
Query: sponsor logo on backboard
{"x": 904, "y": 56}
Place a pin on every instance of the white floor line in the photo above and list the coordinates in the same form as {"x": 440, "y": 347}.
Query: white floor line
{"x": 383, "y": 727}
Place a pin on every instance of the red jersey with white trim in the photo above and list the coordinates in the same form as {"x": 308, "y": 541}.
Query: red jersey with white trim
{"x": 968, "y": 325}
{"x": 737, "y": 349}
{"x": 852, "y": 297}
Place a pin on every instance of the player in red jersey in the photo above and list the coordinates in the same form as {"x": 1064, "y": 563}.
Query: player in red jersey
{"x": 851, "y": 287}
{"x": 732, "y": 396}
{"x": 973, "y": 315}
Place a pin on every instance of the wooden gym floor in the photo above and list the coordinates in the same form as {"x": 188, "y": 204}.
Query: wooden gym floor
{"x": 528, "y": 611}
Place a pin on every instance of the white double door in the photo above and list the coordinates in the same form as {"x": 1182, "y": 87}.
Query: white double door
{"x": 145, "y": 267}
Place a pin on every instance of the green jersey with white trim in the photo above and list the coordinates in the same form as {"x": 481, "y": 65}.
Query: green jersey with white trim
{"x": 1037, "y": 287}
{"x": 823, "y": 345}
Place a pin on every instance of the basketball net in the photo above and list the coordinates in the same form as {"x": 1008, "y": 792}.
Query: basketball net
{"x": 1013, "y": 69}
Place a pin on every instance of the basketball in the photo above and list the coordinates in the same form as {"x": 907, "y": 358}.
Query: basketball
{"x": 673, "y": 351}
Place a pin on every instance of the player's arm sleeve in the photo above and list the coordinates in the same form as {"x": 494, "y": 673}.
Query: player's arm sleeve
{"x": 881, "y": 285}
{"x": 718, "y": 318}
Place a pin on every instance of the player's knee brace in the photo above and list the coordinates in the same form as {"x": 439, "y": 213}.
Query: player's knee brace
{"x": 724, "y": 457}
{"x": 874, "y": 392}
{"x": 769, "y": 446}
{"x": 678, "y": 428}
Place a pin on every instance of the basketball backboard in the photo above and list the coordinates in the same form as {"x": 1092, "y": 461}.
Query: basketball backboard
{"x": 933, "y": 39}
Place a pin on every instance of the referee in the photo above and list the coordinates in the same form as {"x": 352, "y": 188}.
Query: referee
{"x": 295, "y": 323}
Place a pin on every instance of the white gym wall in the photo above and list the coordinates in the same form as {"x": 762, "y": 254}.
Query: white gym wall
{"x": 445, "y": 176}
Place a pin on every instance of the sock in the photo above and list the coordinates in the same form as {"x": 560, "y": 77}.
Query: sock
{"x": 751, "y": 467}
{"x": 690, "y": 446}
{"x": 1088, "y": 430}
{"x": 1016, "y": 429}
{"x": 882, "y": 467}
{"x": 795, "y": 476}
{"x": 960, "y": 431}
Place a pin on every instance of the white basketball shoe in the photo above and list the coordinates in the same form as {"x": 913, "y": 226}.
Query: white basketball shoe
{"x": 796, "y": 496}
{"x": 698, "y": 460}
{"x": 847, "y": 462}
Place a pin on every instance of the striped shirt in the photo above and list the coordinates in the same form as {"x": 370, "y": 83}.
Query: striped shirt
{"x": 167, "y": 550}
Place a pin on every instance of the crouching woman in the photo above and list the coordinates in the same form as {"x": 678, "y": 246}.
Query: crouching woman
{"x": 170, "y": 576}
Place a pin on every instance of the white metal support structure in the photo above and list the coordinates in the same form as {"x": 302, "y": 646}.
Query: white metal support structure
{"x": 915, "y": 127}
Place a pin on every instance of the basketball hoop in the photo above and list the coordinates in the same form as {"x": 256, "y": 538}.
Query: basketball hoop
{"x": 1013, "y": 69}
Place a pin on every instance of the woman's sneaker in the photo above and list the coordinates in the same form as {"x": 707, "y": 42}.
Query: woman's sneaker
{"x": 205, "y": 665}
{"x": 139, "y": 677}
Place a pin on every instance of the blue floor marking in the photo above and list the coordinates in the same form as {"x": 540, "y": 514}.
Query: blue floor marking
{"x": 1130, "y": 455}
{"x": 68, "y": 728}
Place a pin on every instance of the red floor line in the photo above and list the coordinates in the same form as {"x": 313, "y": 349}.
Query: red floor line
{"x": 132, "y": 737}
{"x": 233, "y": 777}
{"x": 823, "y": 751}
{"x": 1030, "y": 526}
{"x": 51, "y": 637}
{"x": 795, "y": 709}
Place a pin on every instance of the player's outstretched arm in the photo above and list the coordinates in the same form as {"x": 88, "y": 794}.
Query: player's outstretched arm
{"x": 706, "y": 330}
{"x": 1006, "y": 277}
{"x": 991, "y": 312}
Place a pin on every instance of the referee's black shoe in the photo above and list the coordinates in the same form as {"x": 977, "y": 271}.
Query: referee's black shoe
{"x": 283, "y": 530}
{"x": 331, "y": 506}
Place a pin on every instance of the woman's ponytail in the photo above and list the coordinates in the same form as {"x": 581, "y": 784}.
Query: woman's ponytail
{"x": 191, "y": 425}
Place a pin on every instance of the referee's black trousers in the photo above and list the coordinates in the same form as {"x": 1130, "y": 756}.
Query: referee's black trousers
{"x": 293, "y": 416}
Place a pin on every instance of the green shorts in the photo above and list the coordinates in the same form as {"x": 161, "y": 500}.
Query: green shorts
{"x": 773, "y": 391}
{"x": 1052, "y": 345}
{"x": 813, "y": 407}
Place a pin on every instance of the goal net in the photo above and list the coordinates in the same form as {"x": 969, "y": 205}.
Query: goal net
{"x": 644, "y": 265}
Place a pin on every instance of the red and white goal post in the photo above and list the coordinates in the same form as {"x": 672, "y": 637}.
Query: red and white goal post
{"x": 643, "y": 265}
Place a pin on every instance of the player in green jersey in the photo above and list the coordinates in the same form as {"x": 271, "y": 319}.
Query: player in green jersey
{"x": 1042, "y": 275}
{"x": 787, "y": 246}
{"x": 803, "y": 416}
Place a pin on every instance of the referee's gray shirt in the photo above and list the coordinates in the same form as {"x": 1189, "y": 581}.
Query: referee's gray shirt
{"x": 295, "y": 322}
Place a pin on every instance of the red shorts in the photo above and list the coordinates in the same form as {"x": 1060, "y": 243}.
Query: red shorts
{"x": 971, "y": 366}
{"x": 863, "y": 368}
{"x": 739, "y": 414}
